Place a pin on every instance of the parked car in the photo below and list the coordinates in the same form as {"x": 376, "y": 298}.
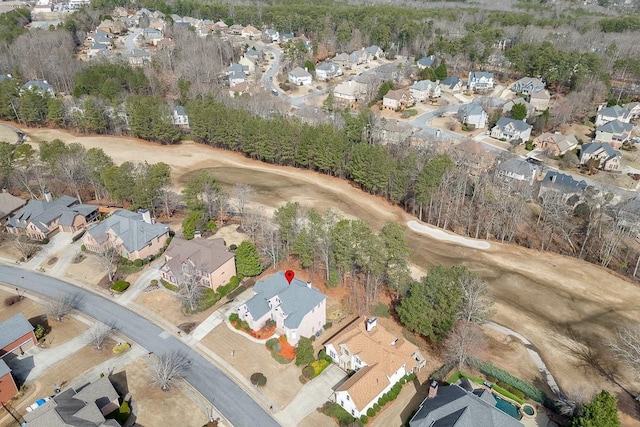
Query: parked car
{"x": 274, "y": 91}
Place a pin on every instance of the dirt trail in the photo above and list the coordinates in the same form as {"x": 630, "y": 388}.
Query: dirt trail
{"x": 547, "y": 297}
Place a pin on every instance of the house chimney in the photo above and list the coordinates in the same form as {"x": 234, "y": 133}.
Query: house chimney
{"x": 47, "y": 195}
{"x": 371, "y": 323}
{"x": 197, "y": 234}
{"x": 309, "y": 284}
{"x": 146, "y": 215}
{"x": 4, "y": 189}
{"x": 433, "y": 389}
{"x": 553, "y": 177}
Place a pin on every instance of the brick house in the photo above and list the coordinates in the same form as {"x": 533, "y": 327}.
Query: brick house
{"x": 16, "y": 335}
{"x": 8, "y": 388}
{"x": 397, "y": 100}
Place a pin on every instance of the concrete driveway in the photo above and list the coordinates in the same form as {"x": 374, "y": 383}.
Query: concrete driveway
{"x": 313, "y": 395}
{"x": 56, "y": 245}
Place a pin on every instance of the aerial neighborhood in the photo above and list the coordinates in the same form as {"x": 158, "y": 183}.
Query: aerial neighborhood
{"x": 315, "y": 214}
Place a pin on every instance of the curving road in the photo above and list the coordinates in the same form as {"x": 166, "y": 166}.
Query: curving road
{"x": 214, "y": 385}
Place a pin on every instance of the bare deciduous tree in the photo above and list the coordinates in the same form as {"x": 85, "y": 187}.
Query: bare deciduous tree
{"x": 627, "y": 347}
{"x": 465, "y": 340}
{"x": 98, "y": 333}
{"x": 476, "y": 300}
{"x": 61, "y": 305}
{"x": 26, "y": 248}
{"x": 107, "y": 261}
{"x": 190, "y": 291}
{"x": 168, "y": 368}
{"x": 241, "y": 194}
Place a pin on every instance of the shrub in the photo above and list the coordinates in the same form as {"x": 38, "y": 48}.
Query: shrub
{"x": 304, "y": 352}
{"x": 327, "y": 325}
{"x": 376, "y": 407}
{"x": 278, "y": 358}
{"x": 337, "y": 412}
{"x": 364, "y": 419}
{"x": 234, "y": 317}
{"x": 258, "y": 379}
{"x": 233, "y": 247}
{"x": 322, "y": 354}
{"x": 83, "y": 248}
{"x": 308, "y": 372}
{"x": 169, "y": 286}
{"x": 502, "y": 375}
{"x": 271, "y": 343}
{"x": 45, "y": 241}
{"x": 9, "y": 301}
{"x": 121, "y": 348}
{"x": 319, "y": 366}
{"x": 120, "y": 286}
{"x": 138, "y": 263}
{"x": 371, "y": 412}
{"x": 39, "y": 331}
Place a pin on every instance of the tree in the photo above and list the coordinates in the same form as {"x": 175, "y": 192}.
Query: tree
{"x": 97, "y": 162}
{"x": 627, "y": 347}
{"x": 61, "y": 305}
{"x": 286, "y": 218}
{"x": 601, "y": 411}
{"x": 107, "y": 260}
{"x": 193, "y": 222}
{"x": 98, "y": 333}
{"x": 190, "y": 290}
{"x": 519, "y": 112}
{"x": 6, "y": 161}
{"x": 203, "y": 193}
{"x": 304, "y": 352}
{"x": 241, "y": 194}
{"x": 465, "y": 340}
{"x": 149, "y": 119}
{"x": 476, "y": 300}
{"x": 25, "y": 247}
{"x": 247, "y": 260}
{"x": 430, "y": 307}
{"x": 397, "y": 272}
{"x": 168, "y": 368}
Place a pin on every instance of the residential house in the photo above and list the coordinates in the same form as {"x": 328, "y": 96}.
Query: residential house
{"x": 480, "y": 81}
{"x": 471, "y": 155}
{"x": 518, "y": 169}
{"x": 389, "y": 72}
{"x": 615, "y": 112}
{"x": 41, "y": 86}
{"x": 248, "y": 64}
{"x": 342, "y": 60}
{"x": 251, "y": 32}
{"x": 397, "y": 100}
{"x": 528, "y": 85}
{"x": 327, "y": 70}
{"x": 96, "y": 50}
{"x": 556, "y": 144}
{"x": 358, "y": 57}
{"x": 300, "y": 76}
{"x": 423, "y": 90}
{"x": 375, "y": 52}
{"x": 219, "y": 26}
{"x": 235, "y": 29}
{"x": 286, "y": 37}
{"x": 392, "y": 132}
{"x": 101, "y": 37}
{"x": 133, "y": 235}
{"x": 629, "y": 211}
{"x": 540, "y": 100}
{"x": 16, "y": 335}
{"x": 180, "y": 117}
{"x": 138, "y": 57}
{"x": 86, "y": 407}
{"x": 239, "y": 89}
{"x": 511, "y": 129}
{"x": 451, "y": 84}
{"x": 454, "y": 406}
{"x": 508, "y": 106}
{"x": 8, "y": 388}
{"x": 236, "y": 78}
{"x": 426, "y": 62}
{"x": 379, "y": 358}
{"x": 208, "y": 261}
{"x": 569, "y": 189}
{"x": 41, "y": 219}
{"x": 254, "y": 55}
{"x": 152, "y": 36}
{"x": 350, "y": 92}
{"x": 614, "y": 133}
{"x": 634, "y": 109}
{"x": 298, "y": 308}
{"x": 472, "y": 115}
{"x": 609, "y": 159}
{"x": 271, "y": 36}
{"x": 9, "y": 204}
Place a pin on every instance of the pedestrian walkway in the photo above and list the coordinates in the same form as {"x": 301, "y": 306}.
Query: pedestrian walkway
{"x": 150, "y": 273}
{"x": 55, "y": 245}
{"x": 218, "y": 316}
{"x": 109, "y": 366}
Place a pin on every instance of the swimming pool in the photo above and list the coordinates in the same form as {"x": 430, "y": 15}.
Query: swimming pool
{"x": 507, "y": 407}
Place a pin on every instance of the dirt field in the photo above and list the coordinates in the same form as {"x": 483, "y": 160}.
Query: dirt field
{"x": 85, "y": 271}
{"x": 164, "y": 304}
{"x": 153, "y": 402}
{"x": 282, "y": 380}
{"x": 59, "y": 332}
{"x": 557, "y": 302}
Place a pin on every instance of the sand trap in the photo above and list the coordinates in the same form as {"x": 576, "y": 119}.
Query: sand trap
{"x": 445, "y": 236}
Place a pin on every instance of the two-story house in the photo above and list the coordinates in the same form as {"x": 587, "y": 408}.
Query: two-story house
{"x": 397, "y": 100}
{"x": 540, "y": 100}
{"x": 614, "y": 133}
{"x": 423, "y": 90}
{"x": 300, "y": 76}
{"x": 634, "y": 110}
{"x": 207, "y": 260}
{"x": 298, "y": 308}
{"x": 342, "y": 60}
{"x": 510, "y": 129}
{"x": 528, "y": 85}
{"x": 556, "y": 144}
{"x": 609, "y": 158}
{"x": 426, "y": 62}
{"x": 615, "y": 112}
{"x": 9, "y": 204}
{"x": 271, "y": 36}
{"x": 473, "y": 115}
{"x": 40, "y": 86}
{"x": 375, "y": 52}
{"x": 133, "y": 235}
{"x": 378, "y": 358}
{"x": 180, "y": 117}
{"x": 451, "y": 84}
{"x": 251, "y": 32}
{"x": 569, "y": 189}
{"x": 327, "y": 70}
{"x": 480, "y": 81}
{"x": 517, "y": 170}
{"x": 349, "y": 93}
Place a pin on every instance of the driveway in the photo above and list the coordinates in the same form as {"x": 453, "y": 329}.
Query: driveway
{"x": 313, "y": 395}
{"x": 206, "y": 378}
{"x": 150, "y": 273}
{"x": 56, "y": 245}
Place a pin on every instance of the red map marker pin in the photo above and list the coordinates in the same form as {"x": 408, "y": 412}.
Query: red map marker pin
{"x": 289, "y": 275}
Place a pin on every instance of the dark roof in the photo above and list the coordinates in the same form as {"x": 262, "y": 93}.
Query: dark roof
{"x": 454, "y": 406}
{"x": 13, "y": 328}
{"x": 518, "y": 166}
{"x": 561, "y": 182}
{"x": 592, "y": 147}
{"x": 4, "y": 368}
{"x": 615, "y": 126}
{"x": 520, "y": 125}
{"x": 130, "y": 227}
{"x": 42, "y": 213}
{"x": 426, "y": 61}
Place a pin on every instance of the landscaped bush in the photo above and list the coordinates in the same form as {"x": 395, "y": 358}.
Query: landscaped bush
{"x": 376, "y": 407}
{"x": 83, "y": 248}
{"x": 371, "y": 412}
{"x": 337, "y": 412}
{"x": 39, "y": 331}
{"x": 319, "y": 366}
{"x": 440, "y": 373}
{"x": 327, "y": 325}
{"x": 234, "y": 317}
{"x": 9, "y": 301}
{"x": 169, "y": 286}
{"x": 138, "y": 263}
{"x": 120, "y": 286}
{"x": 364, "y": 419}
{"x": 281, "y": 360}
{"x": 272, "y": 343}
{"x": 258, "y": 379}
{"x": 502, "y": 375}
{"x": 308, "y": 372}
{"x": 233, "y": 247}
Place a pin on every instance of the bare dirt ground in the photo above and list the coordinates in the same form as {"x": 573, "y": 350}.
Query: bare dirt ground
{"x": 153, "y": 402}
{"x": 58, "y": 332}
{"x": 230, "y": 234}
{"x": 249, "y": 357}
{"x": 559, "y": 303}
{"x": 85, "y": 271}
{"x": 164, "y": 304}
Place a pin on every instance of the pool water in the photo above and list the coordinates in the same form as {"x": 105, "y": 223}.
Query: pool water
{"x": 527, "y": 410}
{"x": 507, "y": 407}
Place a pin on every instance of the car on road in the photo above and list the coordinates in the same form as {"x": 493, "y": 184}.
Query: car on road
{"x": 274, "y": 91}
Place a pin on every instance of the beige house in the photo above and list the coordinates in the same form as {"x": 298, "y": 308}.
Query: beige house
{"x": 555, "y": 144}
{"x": 540, "y": 100}
{"x": 9, "y": 204}
{"x": 349, "y": 92}
{"x": 133, "y": 235}
{"x": 379, "y": 358}
{"x": 397, "y": 100}
{"x": 609, "y": 159}
{"x": 614, "y": 133}
{"x": 208, "y": 260}
{"x": 251, "y": 32}
{"x": 41, "y": 219}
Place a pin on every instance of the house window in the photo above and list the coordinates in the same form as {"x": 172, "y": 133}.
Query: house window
{"x": 348, "y": 397}
{"x": 353, "y": 412}
{"x": 342, "y": 403}
{"x": 332, "y": 354}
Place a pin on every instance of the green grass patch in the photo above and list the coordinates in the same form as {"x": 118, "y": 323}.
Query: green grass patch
{"x": 457, "y": 375}
{"x": 126, "y": 269}
{"x": 381, "y": 310}
{"x": 169, "y": 286}
{"x": 120, "y": 286}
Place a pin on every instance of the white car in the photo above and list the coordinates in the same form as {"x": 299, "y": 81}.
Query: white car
{"x": 38, "y": 403}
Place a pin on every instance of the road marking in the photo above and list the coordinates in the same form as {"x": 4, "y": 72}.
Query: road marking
{"x": 164, "y": 335}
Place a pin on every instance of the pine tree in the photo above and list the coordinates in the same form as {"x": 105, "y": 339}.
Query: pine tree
{"x": 247, "y": 260}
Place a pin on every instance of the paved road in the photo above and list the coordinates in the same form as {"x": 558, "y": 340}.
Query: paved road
{"x": 215, "y": 386}
{"x": 129, "y": 40}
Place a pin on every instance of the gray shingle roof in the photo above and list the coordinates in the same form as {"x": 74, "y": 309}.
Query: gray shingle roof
{"x": 480, "y": 74}
{"x": 13, "y": 328}
{"x": 519, "y": 125}
{"x": 471, "y": 109}
{"x": 426, "y": 61}
{"x": 615, "y": 126}
{"x": 299, "y": 72}
{"x": 297, "y": 299}
{"x": 422, "y": 85}
{"x": 9, "y": 203}
{"x": 180, "y": 111}
{"x": 4, "y": 368}
{"x": 206, "y": 255}
{"x": 38, "y": 85}
{"x": 613, "y": 111}
{"x": 453, "y": 406}
{"x": 518, "y": 166}
{"x": 592, "y": 147}
{"x": 42, "y": 213}
{"x": 130, "y": 227}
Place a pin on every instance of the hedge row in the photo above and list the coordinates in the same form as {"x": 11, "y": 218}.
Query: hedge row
{"x": 389, "y": 396}
{"x": 497, "y": 388}
{"x": 505, "y": 377}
